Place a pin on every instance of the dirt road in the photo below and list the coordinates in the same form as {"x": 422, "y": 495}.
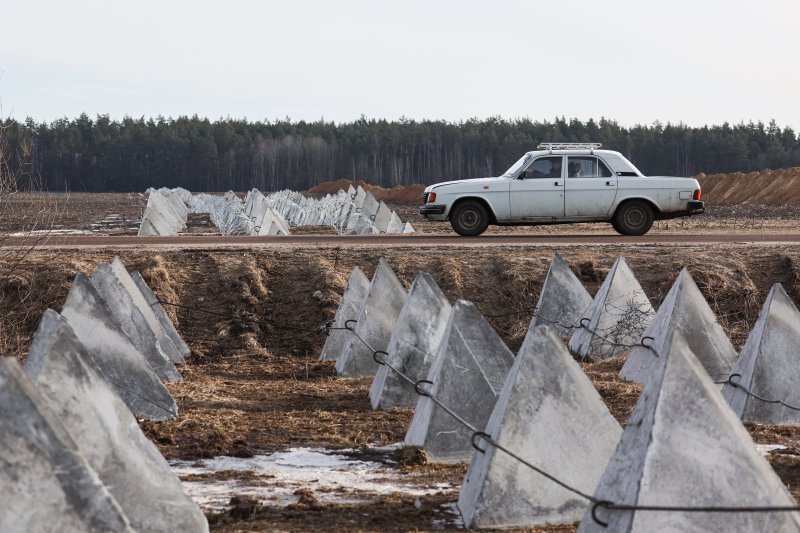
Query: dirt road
{"x": 215, "y": 241}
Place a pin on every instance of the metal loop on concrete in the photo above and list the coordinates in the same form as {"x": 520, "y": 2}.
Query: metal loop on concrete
{"x": 421, "y": 392}
{"x": 604, "y": 504}
{"x": 377, "y": 359}
{"x": 649, "y": 346}
{"x": 482, "y": 435}
{"x": 347, "y": 324}
{"x": 582, "y": 325}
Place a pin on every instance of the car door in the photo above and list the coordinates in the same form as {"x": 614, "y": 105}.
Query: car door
{"x": 590, "y": 187}
{"x": 538, "y": 192}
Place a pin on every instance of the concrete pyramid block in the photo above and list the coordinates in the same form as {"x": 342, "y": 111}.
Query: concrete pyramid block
{"x": 550, "y": 414}
{"x": 395, "y": 225}
{"x": 159, "y": 217}
{"x": 350, "y": 305}
{"x": 619, "y": 314}
{"x": 113, "y": 354}
{"x": 383, "y": 217}
{"x": 563, "y": 300}
{"x": 683, "y": 446}
{"x": 376, "y": 320}
{"x": 769, "y": 365}
{"x": 129, "y": 312}
{"x": 161, "y": 315}
{"x": 684, "y": 309}
{"x": 408, "y": 228}
{"x": 106, "y": 433}
{"x": 47, "y": 484}
{"x": 370, "y": 206}
{"x": 467, "y": 375}
{"x": 358, "y": 199}
{"x": 413, "y": 344}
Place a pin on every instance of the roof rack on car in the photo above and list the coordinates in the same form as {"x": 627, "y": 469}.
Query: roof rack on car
{"x": 569, "y": 146}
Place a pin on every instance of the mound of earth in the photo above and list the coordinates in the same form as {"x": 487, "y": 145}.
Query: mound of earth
{"x": 765, "y": 187}
{"x": 399, "y": 194}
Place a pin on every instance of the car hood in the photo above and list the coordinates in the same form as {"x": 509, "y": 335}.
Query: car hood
{"x": 469, "y": 183}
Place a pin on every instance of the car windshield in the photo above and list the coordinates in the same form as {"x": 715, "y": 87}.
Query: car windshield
{"x": 519, "y": 165}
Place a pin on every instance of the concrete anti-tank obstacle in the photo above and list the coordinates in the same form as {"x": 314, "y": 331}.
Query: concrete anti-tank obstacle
{"x": 159, "y": 218}
{"x": 358, "y": 199}
{"x": 618, "y": 315}
{"x": 684, "y": 309}
{"x": 769, "y": 365}
{"x": 550, "y": 414}
{"x": 684, "y": 447}
{"x": 114, "y": 355}
{"x": 350, "y": 305}
{"x": 467, "y": 375}
{"x": 106, "y": 433}
{"x": 395, "y": 225}
{"x": 375, "y": 322}
{"x": 47, "y": 484}
{"x": 129, "y": 316}
{"x": 161, "y": 315}
{"x": 382, "y": 217}
{"x": 563, "y": 300}
{"x": 413, "y": 344}
{"x": 408, "y": 228}
{"x": 370, "y": 206}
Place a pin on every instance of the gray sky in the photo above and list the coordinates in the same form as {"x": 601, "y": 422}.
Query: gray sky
{"x": 700, "y": 61}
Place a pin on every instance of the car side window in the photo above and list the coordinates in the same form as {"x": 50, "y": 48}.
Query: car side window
{"x": 587, "y": 167}
{"x": 604, "y": 170}
{"x": 544, "y": 167}
{"x": 582, "y": 167}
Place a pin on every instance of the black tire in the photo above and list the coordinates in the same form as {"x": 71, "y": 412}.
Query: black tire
{"x": 469, "y": 218}
{"x": 633, "y": 218}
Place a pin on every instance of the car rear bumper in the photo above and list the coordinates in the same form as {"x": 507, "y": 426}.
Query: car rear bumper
{"x": 693, "y": 207}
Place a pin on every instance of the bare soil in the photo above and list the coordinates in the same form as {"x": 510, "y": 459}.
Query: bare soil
{"x": 254, "y": 384}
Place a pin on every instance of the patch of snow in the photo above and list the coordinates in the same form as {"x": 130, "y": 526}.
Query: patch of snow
{"x": 273, "y": 478}
{"x": 766, "y": 449}
{"x": 50, "y": 232}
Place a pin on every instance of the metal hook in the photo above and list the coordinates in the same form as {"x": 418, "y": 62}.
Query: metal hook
{"x": 482, "y": 435}
{"x": 376, "y": 359}
{"x": 581, "y": 324}
{"x": 734, "y": 383}
{"x": 347, "y": 324}
{"x": 648, "y": 346}
{"x": 597, "y": 520}
{"x": 418, "y": 390}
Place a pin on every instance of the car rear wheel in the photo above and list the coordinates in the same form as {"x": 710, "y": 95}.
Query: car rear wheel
{"x": 633, "y": 218}
{"x": 469, "y": 218}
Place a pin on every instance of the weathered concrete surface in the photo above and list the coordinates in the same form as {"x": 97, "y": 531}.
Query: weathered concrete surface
{"x": 376, "y": 320}
{"x": 164, "y": 341}
{"x": 382, "y": 217}
{"x": 769, "y": 365}
{"x": 683, "y": 446}
{"x": 159, "y": 217}
{"x": 358, "y": 199}
{"x": 47, "y": 484}
{"x": 129, "y": 317}
{"x": 113, "y": 354}
{"x": 163, "y": 319}
{"x": 395, "y": 225}
{"x": 106, "y": 433}
{"x": 550, "y": 414}
{"x": 408, "y": 228}
{"x": 413, "y": 344}
{"x": 563, "y": 300}
{"x": 370, "y": 206}
{"x": 467, "y": 374}
{"x": 684, "y": 309}
{"x": 350, "y": 305}
{"x": 619, "y": 314}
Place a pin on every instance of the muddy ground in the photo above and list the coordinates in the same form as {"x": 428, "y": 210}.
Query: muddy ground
{"x": 254, "y": 384}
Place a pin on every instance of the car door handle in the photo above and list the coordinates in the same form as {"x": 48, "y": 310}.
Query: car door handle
{"x": 610, "y": 183}
{"x": 557, "y": 184}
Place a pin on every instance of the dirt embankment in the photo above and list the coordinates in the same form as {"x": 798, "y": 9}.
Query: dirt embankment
{"x": 765, "y": 187}
{"x": 400, "y": 194}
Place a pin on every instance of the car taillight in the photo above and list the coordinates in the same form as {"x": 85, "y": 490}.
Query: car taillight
{"x": 697, "y": 194}
{"x": 431, "y": 197}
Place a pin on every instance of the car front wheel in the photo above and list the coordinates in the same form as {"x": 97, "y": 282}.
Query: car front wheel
{"x": 633, "y": 218}
{"x": 469, "y": 218}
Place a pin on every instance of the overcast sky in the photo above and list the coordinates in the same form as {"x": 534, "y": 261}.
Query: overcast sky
{"x": 698, "y": 61}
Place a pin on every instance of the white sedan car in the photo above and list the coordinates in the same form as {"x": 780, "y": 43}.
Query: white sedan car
{"x": 561, "y": 184}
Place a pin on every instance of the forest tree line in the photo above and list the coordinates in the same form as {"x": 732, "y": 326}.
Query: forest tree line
{"x": 97, "y": 155}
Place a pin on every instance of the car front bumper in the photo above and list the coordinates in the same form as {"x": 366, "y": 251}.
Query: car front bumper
{"x": 432, "y": 209}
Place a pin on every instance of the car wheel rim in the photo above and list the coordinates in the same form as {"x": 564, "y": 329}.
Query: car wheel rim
{"x": 635, "y": 218}
{"x": 469, "y": 219}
